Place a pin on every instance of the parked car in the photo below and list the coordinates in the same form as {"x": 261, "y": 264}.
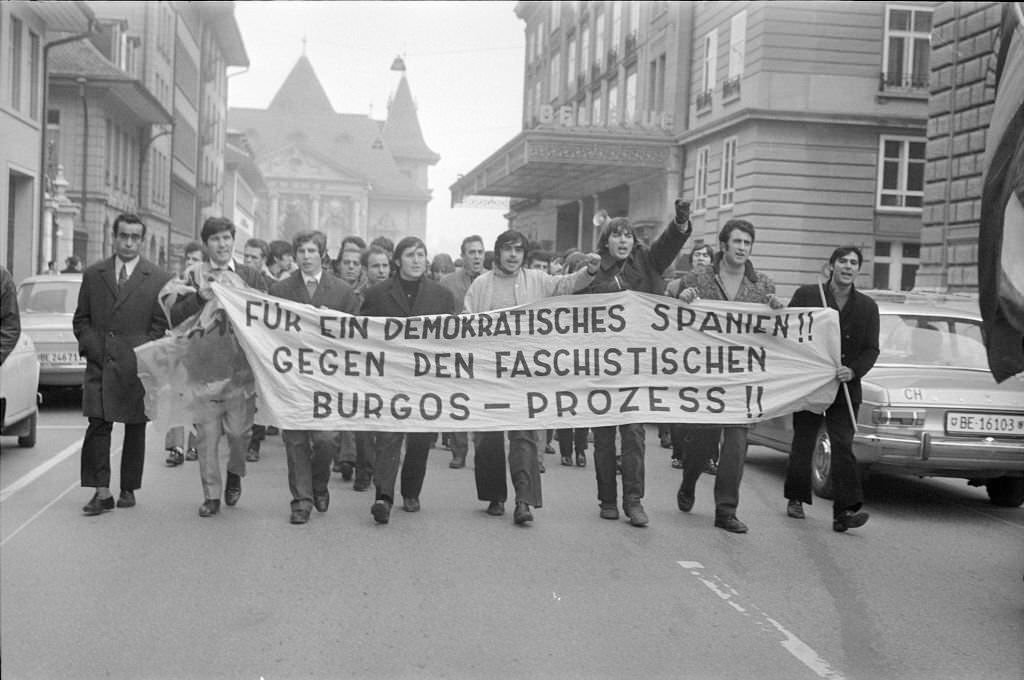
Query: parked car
{"x": 19, "y": 392}
{"x": 931, "y": 407}
{"x": 47, "y": 304}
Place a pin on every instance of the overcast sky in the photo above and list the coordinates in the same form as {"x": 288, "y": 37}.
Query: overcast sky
{"x": 464, "y": 65}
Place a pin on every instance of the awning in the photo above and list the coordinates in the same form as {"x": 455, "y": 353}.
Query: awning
{"x": 567, "y": 163}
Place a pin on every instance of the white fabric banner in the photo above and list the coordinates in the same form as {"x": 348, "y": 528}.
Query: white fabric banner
{"x": 571, "y": 361}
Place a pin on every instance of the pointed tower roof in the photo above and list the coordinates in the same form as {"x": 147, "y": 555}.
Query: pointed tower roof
{"x": 402, "y": 129}
{"x": 301, "y": 91}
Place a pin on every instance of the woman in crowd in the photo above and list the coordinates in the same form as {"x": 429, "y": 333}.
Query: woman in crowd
{"x": 410, "y": 292}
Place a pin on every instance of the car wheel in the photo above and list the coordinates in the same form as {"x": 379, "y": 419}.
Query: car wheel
{"x": 821, "y": 467}
{"x": 1007, "y": 492}
{"x": 28, "y": 440}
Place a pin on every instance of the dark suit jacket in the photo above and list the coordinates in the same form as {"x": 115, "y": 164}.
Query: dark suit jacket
{"x": 332, "y": 292}
{"x": 388, "y": 299}
{"x": 191, "y": 304}
{"x": 109, "y": 326}
{"x": 858, "y": 325}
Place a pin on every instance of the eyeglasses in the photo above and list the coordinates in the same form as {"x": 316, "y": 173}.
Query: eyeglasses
{"x": 124, "y": 236}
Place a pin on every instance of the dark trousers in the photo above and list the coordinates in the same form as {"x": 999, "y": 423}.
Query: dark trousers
{"x": 366, "y": 454}
{"x": 96, "y": 454}
{"x": 572, "y": 439}
{"x": 846, "y": 486}
{"x": 414, "y": 466}
{"x": 701, "y": 445}
{"x": 489, "y": 466}
{"x": 259, "y": 433}
{"x": 309, "y": 455}
{"x": 605, "y": 463}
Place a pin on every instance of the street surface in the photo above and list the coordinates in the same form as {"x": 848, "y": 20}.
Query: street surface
{"x": 930, "y": 588}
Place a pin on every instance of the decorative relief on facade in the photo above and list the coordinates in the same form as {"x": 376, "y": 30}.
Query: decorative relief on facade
{"x": 293, "y": 214}
{"x": 335, "y": 215}
{"x": 594, "y": 152}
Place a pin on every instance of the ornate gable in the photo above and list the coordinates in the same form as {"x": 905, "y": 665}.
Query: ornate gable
{"x": 296, "y": 163}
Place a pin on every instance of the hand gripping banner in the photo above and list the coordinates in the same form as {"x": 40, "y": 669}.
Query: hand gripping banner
{"x": 572, "y": 361}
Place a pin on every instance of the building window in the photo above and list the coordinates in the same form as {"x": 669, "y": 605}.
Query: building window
{"x": 613, "y": 104}
{"x": 901, "y": 174}
{"x": 595, "y": 111}
{"x": 585, "y": 50}
{"x": 728, "y": 172}
{"x": 555, "y": 79}
{"x": 895, "y": 266}
{"x": 634, "y": 17}
{"x": 537, "y": 101}
{"x": 14, "y": 59}
{"x": 656, "y": 86}
{"x": 700, "y": 188}
{"x": 631, "y": 80}
{"x": 599, "y": 38}
{"x": 709, "y": 65}
{"x": 556, "y": 16}
{"x": 34, "y": 76}
{"x": 570, "y": 65}
{"x": 737, "y": 55}
{"x": 908, "y": 37}
{"x": 616, "y": 25}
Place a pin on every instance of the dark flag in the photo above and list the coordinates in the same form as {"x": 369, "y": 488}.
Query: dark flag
{"x": 1001, "y": 229}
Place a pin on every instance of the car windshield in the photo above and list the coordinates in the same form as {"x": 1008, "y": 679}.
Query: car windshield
{"x": 48, "y": 297}
{"x": 925, "y": 340}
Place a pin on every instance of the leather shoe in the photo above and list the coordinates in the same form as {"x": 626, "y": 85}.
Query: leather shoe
{"x": 321, "y": 501}
{"x": 209, "y": 508}
{"x": 192, "y": 454}
{"x": 346, "y": 471}
{"x": 299, "y": 516}
{"x": 253, "y": 456}
{"x": 609, "y": 511}
{"x": 522, "y": 513}
{"x": 457, "y": 463}
{"x": 97, "y": 505}
{"x": 411, "y": 504}
{"x": 496, "y": 508}
{"x": 849, "y": 520}
{"x": 126, "y": 499}
{"x": 232, "y": 489}
{"x": 731, "y": 524}
{"x": 361, "y": 484}
{"x": 175, "y": 457}
{"x": 567, "y": 461}
{"x": 684, "y": 499}
{"x": 637, "y": 516}
{"x": 381, "y": 511}
{"x": 677, "y": 464}
{"x": 581, "y": 460}
{"x": 795, "y": 509}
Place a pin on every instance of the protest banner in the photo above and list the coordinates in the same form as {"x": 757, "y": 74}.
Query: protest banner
{"x": 572, "y": 361}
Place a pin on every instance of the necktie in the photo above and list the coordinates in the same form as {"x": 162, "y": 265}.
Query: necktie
{"x": 311, "y": 287}
{"x": 122, "y": 277}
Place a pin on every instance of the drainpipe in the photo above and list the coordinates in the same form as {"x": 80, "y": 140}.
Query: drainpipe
{"x": 949, "y": 149}
{"x": 93, "y": 25}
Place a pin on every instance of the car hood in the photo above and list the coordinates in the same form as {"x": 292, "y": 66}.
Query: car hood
{"x": 937, "y": 386}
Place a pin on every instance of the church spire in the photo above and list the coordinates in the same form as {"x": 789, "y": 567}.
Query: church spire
{"x": 301, "y": 91}
{"x": 402, "y": 130}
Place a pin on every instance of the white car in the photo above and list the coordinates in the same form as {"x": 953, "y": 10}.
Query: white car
{"x": 47, "y": 304}
{"x": 19, "y": 392}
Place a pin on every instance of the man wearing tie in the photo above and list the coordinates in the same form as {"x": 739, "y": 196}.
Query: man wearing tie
{"x": 231, "y": 411}
{"x": 118, "y": 310}
{"x": 309, "y": 452}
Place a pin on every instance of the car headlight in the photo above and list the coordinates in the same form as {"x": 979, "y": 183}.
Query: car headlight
{"x": 898, "y": 417}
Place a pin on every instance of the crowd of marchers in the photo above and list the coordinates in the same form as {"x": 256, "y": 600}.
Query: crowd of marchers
{"x": 125, "y": 301}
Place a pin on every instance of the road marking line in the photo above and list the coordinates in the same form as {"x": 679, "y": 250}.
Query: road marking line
{"x": 40, "y": 512}
{"x": 790, "y": 642}
{"x": 40, "y": 470}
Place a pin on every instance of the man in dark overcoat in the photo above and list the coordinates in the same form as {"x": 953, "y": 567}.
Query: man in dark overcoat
{"x": 309, "y": 452}
{"x": 118, "y": 310}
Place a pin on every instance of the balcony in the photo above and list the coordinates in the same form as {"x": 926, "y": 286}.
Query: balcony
{"x": 630, "y": 42}
{"x": 580, "y": 81}
{"x": 731, "y": 89}
{"x": 611, "y": 59}
{"x": 703, "y": 102}
{"x": 903, "y": 83}
{"x": 595, "y": 72}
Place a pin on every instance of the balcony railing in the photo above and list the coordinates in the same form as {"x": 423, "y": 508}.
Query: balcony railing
{"x": 704, "y": 100}
{"x": 630, "y": 42}
{"x": 904, "y": 82}
{"x": 610, "y": 60}
{"x": 731, "y": 88}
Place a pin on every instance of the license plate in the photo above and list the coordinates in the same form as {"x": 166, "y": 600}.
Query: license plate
{"x": 61, "y": 358}
{"x": 990, "y": 424}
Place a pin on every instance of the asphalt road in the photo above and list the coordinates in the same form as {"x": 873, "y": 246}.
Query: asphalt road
{"x": 930, "y": 588}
